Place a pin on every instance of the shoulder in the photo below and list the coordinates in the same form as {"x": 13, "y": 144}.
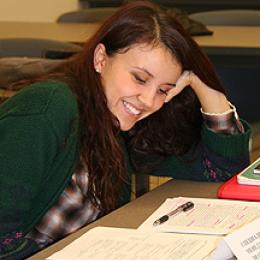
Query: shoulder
{"x": 41, "y": 97}
{"x": 43, "y": 105}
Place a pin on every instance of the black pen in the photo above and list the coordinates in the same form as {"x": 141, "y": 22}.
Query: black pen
{"x": 182, "y": 208}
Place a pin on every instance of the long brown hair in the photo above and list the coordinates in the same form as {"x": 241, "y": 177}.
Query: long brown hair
{"x": 171, "y": 130}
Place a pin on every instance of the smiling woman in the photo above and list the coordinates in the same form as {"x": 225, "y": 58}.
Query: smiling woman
{"x": 140, "y": 97}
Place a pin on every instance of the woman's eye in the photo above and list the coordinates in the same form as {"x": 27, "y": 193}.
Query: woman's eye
{"x": 163, "y": 92}
{"x": 139, "y": 80}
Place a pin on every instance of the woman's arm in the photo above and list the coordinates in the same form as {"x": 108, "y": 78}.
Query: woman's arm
{"x": 27, "y": 147}
{"x": 36, "y": 158}
{"x": 217, "y": 157}
{"x": 224, "y": 146}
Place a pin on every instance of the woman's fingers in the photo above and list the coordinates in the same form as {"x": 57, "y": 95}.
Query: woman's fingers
{"x": 184, "y": 81}
{"x": 211, "y": 100}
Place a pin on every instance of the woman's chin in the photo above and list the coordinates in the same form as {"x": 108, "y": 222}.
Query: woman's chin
{"x": 126, "y": 126}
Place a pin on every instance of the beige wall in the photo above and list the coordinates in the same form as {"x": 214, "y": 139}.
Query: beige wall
{"x": 35, "y": 10}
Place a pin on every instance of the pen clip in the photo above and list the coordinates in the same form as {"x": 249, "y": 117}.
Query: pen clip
{"x": 187, "y": 206}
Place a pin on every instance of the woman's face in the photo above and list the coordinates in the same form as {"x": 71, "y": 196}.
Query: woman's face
{"x": 136, "y": 82}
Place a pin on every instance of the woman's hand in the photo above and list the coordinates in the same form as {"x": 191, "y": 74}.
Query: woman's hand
{"x": 212, "y": 101}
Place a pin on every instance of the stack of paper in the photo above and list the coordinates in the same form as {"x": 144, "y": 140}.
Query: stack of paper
{"x": 104, "y": 243}
{"x": 213, "y": 229}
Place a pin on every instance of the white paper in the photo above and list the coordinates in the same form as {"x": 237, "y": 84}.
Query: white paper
{"x": 209, "y": 216}
{"x": 222, "y": 252}
{"x": 104, "y": 243}
{"x": 245, "y": 242}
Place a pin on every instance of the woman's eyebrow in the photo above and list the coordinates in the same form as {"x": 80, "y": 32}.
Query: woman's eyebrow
{"x": 144, "y": 70}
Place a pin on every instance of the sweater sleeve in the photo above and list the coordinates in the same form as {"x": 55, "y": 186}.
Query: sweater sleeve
{"x": 27, "y": 148}
{"x": 217, "y": 157}
{"x": 30, "y": 144}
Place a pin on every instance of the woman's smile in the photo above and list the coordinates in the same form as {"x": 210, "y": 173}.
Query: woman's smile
{"x": 131, "y": 109}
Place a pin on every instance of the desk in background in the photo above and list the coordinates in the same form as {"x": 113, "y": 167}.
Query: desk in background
{"x": 76, "y": 33}
{"x": 241, "y": 42}
{"x": 224, "y": 39}
{"x": 134, "y": 213}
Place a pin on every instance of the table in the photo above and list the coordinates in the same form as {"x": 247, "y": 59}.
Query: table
{"x": 233, "y": 38}
{"x": 134, "y": 213}
{"x": 76, "y": 33}
{"x": 237, "y": 45}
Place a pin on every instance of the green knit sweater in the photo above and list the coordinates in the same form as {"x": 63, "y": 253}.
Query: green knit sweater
{"x": 39, "y": 150}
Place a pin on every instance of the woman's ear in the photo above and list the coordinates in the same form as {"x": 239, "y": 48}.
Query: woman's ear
{"x": 100, "y": 57}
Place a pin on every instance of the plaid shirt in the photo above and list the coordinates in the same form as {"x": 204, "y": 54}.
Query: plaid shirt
{"x": 226, "y": 123}
{"x": 73, "y": 210}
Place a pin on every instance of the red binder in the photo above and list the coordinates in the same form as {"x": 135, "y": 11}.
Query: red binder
{"x": 233, "y": 190}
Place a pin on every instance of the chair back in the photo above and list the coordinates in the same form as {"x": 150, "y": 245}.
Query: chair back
{"x": 239, "y": 17}
{"x": 88, "y": 15}
{"x": 14, "y": 69}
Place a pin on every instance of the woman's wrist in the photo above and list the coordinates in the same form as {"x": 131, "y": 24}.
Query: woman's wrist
{"x": 211, "y": 100}
{"x": 227, "y": 122}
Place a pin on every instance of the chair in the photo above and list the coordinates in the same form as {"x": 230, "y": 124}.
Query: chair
{"x": 232, "y": 17}
{"x": 88, "y": 15}
{"x": 13, "y": 69}
{"x": 35, "y": 48}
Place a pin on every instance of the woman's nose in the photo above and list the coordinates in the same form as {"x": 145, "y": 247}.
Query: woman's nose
{"x": 147, "y": 97}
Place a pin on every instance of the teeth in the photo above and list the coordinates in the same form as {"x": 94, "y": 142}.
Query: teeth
{"x": 131, "y": 109}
